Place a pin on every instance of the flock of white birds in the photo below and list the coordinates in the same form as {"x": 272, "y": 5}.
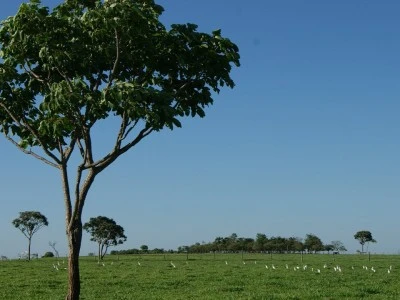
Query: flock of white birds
{"x": 336, "y": 268}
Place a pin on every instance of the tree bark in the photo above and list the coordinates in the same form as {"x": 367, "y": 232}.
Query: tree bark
{"x": 29, "y": 249}
{"x": 74, "y": 235}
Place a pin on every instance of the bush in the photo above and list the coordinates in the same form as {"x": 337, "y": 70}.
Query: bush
{"x": 48, "y": 254}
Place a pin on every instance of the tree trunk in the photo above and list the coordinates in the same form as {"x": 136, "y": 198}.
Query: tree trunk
{"x": 29, "y": 249}
{"x": 99, "y": 254}
{"x": 74, "y": 235}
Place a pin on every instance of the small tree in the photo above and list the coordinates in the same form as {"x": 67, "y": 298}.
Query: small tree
{"x": 53, "y": 246}
{"x": 338, "y": 246}
{"x": 144, "y": 248}
{"x": 363, "y": 237}
{"x": 29, "y": 222}
{"x": 328, "y": 248}
{"x": 48, "y": 254}
{"x": 106, "y": 232}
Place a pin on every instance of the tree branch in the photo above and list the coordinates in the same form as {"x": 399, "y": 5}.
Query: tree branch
{"x": 30, "y": 152}
{"x": 114, "y": 69}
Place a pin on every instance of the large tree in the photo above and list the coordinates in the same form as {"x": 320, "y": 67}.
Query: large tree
{"x": 364, "y": 236}
{"x": 29, "y": 222}
{"x": 64, "y": 70}
{"x": 105, "y": 232}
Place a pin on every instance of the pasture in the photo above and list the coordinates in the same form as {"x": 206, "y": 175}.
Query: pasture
{"x": 225, "y": 276}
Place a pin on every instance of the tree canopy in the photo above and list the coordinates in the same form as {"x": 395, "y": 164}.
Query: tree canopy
{"x": 30, "y": 222}
{"x": 106, "y": 232}
{"x": 364, "y": 236}
{"x": 313, "y": 243}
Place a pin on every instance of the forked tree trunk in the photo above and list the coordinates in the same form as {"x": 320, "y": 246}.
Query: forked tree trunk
{"x": 74, "y": 245}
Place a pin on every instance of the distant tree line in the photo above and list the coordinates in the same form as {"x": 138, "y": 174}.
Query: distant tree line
{"x": 262, "y": 244}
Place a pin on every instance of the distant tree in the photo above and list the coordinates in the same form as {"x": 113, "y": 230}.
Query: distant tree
{"x": 259, "y": 243}
{"x": 144, "y": 248}
{"x": 295, "y": 244}
{"x": 313, "y": 243}
{"x": 328, "y": 248}
{"x": 105, "y": 232}
{"x": 29, "y": 222}
{"x": 338, "y": 246}
{"x": 53, "y": 246}
{"x": 48, "y": 254}
{"x": 363, "y": 237}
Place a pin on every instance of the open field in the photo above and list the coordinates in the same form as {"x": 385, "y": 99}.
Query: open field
{"x": 204, "y": 277}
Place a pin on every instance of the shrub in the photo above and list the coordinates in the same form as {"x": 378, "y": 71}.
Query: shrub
{"x": 48, "y": 254}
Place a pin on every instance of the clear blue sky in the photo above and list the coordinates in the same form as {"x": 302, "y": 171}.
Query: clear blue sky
{"x": 308, "y": 141}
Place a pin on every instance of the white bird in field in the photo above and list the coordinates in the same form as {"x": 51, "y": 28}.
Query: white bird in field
{"x": 138, "y": 263}
{"x": 226, "y": 262}
{"x": 273, "y": 267}
{"x": 390, "y": 268}
{"x": 287, "y": 267}
{"x": 352, "y": 267}
{"x": 244, "y": 262}
{"x": 373, "y": 270}
{"x": 173, "y": 265}
{"x": 388, "y": 271}
{"x": 266, "y": 267}
{"x": 325, "y": 266}
{"x": 294, "y": 268}
{"x": 255, "y": 262}
{"x": 103, "y": 264}
{"x": 318, "y": 271}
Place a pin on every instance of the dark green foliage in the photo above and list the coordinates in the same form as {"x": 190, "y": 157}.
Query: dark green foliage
{"x": 48, "y": 254}
{"x": 106, "y": 232}
{"x": 364, "y": 236}
{"x": 64, "y": 70}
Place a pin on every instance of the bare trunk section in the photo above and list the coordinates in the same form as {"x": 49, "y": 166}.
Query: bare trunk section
{"x": 74, "y": 235}
{"x": 29, "y": 248}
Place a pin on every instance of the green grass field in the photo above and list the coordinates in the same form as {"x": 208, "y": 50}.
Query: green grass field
{"x": 205, "y": 277}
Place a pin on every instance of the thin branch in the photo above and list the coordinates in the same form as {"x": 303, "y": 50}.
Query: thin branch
{"x": 33, "y": 74}
{"x": 113, "y": 155}
{"x": 36, "y": 135}
{"x": 33, "y": 132}
{"x": 114, "y": 69}
{"x": 121, "y": 133}
{"x": 69, "y": 150}
{"x": 66, "y": 79}
{"x": 31, "y": 152}
{"x": 130, "y": 129}
{"x": 81, "y": 149}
